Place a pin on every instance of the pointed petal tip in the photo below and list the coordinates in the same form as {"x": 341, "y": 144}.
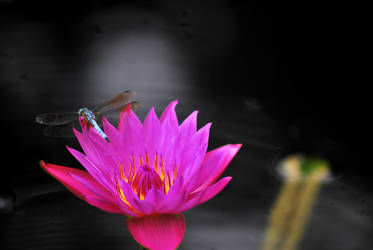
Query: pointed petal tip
{"x": 83, "y": 186}
{"x": 237, "y": 146}
{"x": 171, "y": 106}
{"x": 103, "y": 118}
{"x": 234, "y": 148}
{"x": 125, "y": 111}
{"x": 77, "y": 132}
{"x": 71, "y": 150}
{"x": 46, "y": 167}
{"x": 215, "y": 189}
{"x": 128, "y": 107}
{"x": 42, "y": 164}
{"x": 205, "y": 128}
{"x": 225, "y": 179}
{"x": 153, "y": 113}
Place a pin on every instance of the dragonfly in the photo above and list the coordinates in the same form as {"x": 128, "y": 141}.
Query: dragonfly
{"x": 59, "y": 124}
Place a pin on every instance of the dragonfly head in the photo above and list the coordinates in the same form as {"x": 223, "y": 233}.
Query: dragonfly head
{"x": 82, "y": 111}
{"x": 87, "y": 114}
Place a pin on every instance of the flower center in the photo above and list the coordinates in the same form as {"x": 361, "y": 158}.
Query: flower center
{"x": 143, "y": 175}
{"x": 144, "y": 180}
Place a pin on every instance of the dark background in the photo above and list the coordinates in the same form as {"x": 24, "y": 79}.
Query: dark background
{"x": 281, "y": 78}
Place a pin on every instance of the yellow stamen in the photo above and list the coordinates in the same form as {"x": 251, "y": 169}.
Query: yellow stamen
{"x": 123, "y": 198}
{"x": 131, "y": 173}
{"x": 121, "y": 195}
{"x": 147, "y": 159}
{"x": 122, "y": 175}
{"x": 136, "y": 167}
{"x": 174, "y": 175}
{"x": 167, "y": 183}
{"x": 163, "y": 174}
{"x": 156, "y": 163}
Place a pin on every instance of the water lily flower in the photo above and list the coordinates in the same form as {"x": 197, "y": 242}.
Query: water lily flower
{"x": 150, "y": 172}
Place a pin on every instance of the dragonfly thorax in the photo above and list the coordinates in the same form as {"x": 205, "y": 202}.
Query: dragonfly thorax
{"x": 87, "y": 114}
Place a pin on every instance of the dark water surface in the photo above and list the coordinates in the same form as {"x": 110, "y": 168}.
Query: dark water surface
{"x": 259, "y": 74}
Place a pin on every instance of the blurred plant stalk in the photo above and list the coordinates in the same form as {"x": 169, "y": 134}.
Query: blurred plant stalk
{"x": 291, "y": 210}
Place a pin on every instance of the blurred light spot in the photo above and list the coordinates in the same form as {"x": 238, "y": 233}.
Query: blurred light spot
{"x": 138, "y": 57}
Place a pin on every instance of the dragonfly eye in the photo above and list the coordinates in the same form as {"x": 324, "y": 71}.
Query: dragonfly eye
{"x": 83, "y": 112}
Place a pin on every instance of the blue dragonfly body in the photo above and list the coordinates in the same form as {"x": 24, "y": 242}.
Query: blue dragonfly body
{"x": 58, "y": 123}
{"x": 90, "y": 117}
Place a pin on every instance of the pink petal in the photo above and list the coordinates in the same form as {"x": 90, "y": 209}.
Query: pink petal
{"x": 131, "y": 127}
{"x": 174, "y": 198}
{"x": 172, "y": 205}
{"x": 194, "y": 154}
{"x": 112, "y": 133}
{"x": 92, "y": 132}
{"x": 197, "y": 198}
{"x": 170, "y": 127}
{"x": 191, "y": 201}
{"x": 107, "y": 207}
{"x": 214, "y": 189}
{"x": 169, "y": 115}
{"x": 155, "y": 197}
{"x": 90, "y": 191}
{"x": 187, "y": 129}
{"x": 127, "y": 115}
{"x": 213, "y": 165}
{"x": 118, "y": 151}
{"x": 87, "y": 146}
{"x": 102, "y": 192}
{"x": 152, "y": 132}
{"x": 142, "y": 206}
{"x": 158, "y": 232}
{"x": 99, "y": 175}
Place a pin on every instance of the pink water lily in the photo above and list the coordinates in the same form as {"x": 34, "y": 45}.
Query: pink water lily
{"x": 150, "y": 172}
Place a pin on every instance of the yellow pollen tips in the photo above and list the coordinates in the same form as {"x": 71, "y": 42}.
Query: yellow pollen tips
{"x": 147, "y": 159}
{"x": 167, "y": 183}
{"x": 122, "y": 175}
{"x": 121, "y": 195}
{"x": 156, "y": 163}
{"x": 174, "y": 175}
{"x": 146, "y": 172}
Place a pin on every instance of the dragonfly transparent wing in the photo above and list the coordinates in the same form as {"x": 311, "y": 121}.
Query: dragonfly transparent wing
{"x": 113, "y": 116}
{"x": 114, "y": 104}
{"x": 65, "y": 130}
{"x": 134, "y": 106}
{"x": 60, "y": 124}
{"x": 56, "y": 119}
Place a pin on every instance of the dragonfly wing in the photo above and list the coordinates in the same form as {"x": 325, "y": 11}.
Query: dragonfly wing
{"x": 65, "y": 130}
{"x": 134, "y": 105}
{"x": 117, "y": 102}
{"x": 112, "y": 115}
{"x": 56, "y": 118}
